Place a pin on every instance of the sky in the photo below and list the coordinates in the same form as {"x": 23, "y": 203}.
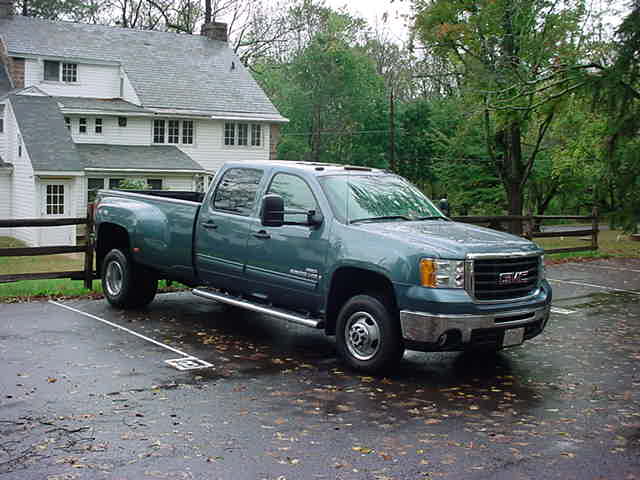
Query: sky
{"x": 373, "y": 11}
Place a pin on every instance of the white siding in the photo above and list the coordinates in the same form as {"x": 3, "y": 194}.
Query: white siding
{"x": 128, "y": 93}
{"x": 178, "y": 183}
{"x": 24, "y": 195}
{"x": 3, "y": 134}
{"x": 5, "y": 201}
{"x": 94, "y": 81}
{"x": 209, "y": 149}
{"x": 137, "y": 131}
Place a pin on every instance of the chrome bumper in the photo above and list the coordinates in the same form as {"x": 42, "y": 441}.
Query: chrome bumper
{"x": 428, "y": 328}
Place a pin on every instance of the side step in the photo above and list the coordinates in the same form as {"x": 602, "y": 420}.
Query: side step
{"x": 256, "y": 307}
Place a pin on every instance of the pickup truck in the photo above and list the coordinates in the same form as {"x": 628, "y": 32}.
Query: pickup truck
{"x": 357, "y": 252}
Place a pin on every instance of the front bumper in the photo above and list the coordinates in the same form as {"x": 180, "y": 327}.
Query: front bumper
{"x": 442, "y": 332}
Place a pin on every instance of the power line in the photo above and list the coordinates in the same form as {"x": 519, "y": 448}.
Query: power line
{"x": 336, "y": 132}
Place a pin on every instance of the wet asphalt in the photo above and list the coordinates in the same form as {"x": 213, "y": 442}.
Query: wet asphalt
{"x": 83, "y": 399}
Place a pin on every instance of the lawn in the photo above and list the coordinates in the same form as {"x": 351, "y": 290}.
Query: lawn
{"x": 612, "y": 243}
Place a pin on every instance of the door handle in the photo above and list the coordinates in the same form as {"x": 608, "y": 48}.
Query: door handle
{"x": 262, "y": 234}
{"x": 209, "y": 225}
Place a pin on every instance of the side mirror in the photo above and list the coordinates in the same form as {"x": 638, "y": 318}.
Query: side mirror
{"x": 314, "y": 219}
{"x": 272, "y": 213}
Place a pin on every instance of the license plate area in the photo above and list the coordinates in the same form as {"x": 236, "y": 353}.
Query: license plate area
{"x": 513, "y": 336}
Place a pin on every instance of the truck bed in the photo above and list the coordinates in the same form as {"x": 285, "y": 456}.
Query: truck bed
{"x": 178, "y": 195}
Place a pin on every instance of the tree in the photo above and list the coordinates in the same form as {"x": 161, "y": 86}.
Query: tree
{"x": 516, "y": 60}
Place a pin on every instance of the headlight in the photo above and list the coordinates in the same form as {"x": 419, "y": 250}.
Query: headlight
{"x": 435, "y": 273}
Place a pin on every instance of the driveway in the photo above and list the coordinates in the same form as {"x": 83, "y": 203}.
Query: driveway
{"x": 86, "y": 392}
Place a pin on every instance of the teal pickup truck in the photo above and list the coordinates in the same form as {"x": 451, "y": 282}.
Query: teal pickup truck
{"x": 357, "y": 252}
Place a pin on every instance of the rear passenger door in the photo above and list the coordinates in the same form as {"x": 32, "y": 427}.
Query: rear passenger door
{"x": 223, "y": 227}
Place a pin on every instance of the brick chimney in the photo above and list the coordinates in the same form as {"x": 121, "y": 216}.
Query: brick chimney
{"x": 213, "y": 30}
{"x": 6, "y": 8}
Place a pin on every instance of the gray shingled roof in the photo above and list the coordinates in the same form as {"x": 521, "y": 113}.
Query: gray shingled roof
{"x": 167, "y": 70}
{"x": 5, "y": 83}
{"x": 108, "y": 104}
{"x": 141, "y": 157}
{"x": 44, "y": 135}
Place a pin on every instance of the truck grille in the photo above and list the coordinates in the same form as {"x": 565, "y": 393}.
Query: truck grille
{"x": 505, "y": 278}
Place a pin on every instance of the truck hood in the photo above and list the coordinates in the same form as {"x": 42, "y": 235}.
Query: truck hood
{"x": 450, "y": 239}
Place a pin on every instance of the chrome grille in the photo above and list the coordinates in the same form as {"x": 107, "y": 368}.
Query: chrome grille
{"x": 496, "y": 279}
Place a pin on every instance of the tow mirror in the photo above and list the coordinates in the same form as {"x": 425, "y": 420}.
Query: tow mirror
{"x": 272, "y": 210}
{"x": 314, "y": 219}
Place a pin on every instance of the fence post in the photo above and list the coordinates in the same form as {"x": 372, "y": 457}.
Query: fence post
{"x": 594, "y": 228}
{"x": 88, "y": 256}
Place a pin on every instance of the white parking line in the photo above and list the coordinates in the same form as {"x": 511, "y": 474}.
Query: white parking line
{"x": 562, "y": 311}
{"x": 582, "y": 284}
{"x": 202, "y": 363}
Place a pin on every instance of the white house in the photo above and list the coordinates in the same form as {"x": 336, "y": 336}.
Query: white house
{"x": 83, "y": 107}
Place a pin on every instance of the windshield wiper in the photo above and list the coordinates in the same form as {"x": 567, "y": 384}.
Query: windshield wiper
{"x": 373, "y": 219}
{"x": 432, "y": 218}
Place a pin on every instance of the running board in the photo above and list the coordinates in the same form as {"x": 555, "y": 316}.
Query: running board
{"x": 256, "y": 307}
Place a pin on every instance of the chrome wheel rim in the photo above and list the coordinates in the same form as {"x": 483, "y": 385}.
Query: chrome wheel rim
{"x": 362, "y": 334}
{"x": 113, "y": 278}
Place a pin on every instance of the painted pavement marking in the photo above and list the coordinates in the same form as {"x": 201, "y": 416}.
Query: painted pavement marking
{"x": 188, "y": 362}
{"x": 582, "y": 284}
{"x": 562, "y": 311}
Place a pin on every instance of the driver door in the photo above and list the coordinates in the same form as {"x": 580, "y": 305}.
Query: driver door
{"x": 285, "y": 264}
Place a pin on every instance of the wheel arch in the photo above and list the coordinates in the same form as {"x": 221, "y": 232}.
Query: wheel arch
{"x": 346, "y": 282}
{"x": 110, "y": 236}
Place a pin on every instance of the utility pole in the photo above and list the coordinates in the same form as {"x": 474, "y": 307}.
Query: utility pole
{"x": 392, "y": 132}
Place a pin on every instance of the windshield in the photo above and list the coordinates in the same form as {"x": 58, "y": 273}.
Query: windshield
{"x": 367, "y": 198}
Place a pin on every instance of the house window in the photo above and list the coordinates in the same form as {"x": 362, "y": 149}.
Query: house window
{"x": 229, "y": 133}
{"x": 82, "y": 126}
{"x": 238, "y": 134}
{"x": 98, "y": 126}
{"x": 70, "y": 72}
{"x": 2, "y": 118}
{"x": 256, "y": 133}
{"x": 55, "y": 199}
{"x": 93, "y": 185}
{"x": 187, "y": 131}
{"x": 173, "y": 133}
{"x": 114, "y": 183}
{"x": 67, "y": 123}
{"x": 122, "y": 121}
{"x": 53, "y": 72}
{"x": 154, "y": 183}
{"x": 158, "y": 131}
{"x": 170, "y": 130}
{"x": 19, "y": 145}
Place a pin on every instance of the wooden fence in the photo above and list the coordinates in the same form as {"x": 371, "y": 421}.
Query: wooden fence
{"x": 529, "y": 225}
{"x": 87, "y": 274}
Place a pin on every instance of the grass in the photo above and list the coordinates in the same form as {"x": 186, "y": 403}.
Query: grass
{"x": 612, "y": 244}
{"x": 30, "y": 289}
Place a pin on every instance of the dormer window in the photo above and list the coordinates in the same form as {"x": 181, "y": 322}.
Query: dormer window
{"x": 55, "y": 71}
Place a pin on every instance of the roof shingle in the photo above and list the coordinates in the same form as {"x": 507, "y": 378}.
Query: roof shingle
{"x": 139, "y": 157}
{"x": 167, "y": 70}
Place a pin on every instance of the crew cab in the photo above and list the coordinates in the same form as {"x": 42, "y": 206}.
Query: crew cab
{"x": 357, "y": 252}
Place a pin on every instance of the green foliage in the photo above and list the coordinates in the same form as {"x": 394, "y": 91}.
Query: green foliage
{"x": 58, "y": 9}
{"x": 133, "y": 184}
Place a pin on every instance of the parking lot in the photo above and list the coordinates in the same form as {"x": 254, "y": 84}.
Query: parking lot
{"x": 86, "y": 392}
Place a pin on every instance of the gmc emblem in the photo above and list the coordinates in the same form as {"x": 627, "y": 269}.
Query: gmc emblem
{"x": 512, "y": 278}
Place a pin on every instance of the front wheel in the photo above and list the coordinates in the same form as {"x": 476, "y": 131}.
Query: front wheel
{"x": 368, "y": 335}
{"x": 125, "y": 284}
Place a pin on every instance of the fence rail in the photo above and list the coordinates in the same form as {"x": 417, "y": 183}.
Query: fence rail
{"x": 87, "y": 274}
{"x": 530, "y": 225}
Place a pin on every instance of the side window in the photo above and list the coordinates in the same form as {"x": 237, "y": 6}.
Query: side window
{"x": 296, "y": 194}
{"x": 236, "y": 192}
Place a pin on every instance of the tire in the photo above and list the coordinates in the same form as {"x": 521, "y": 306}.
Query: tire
{"x": 125, "y": 284}
{"x": 368, "y": 335}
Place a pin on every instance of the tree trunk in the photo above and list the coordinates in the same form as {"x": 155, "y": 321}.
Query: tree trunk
{"x": 207, "y": 11}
